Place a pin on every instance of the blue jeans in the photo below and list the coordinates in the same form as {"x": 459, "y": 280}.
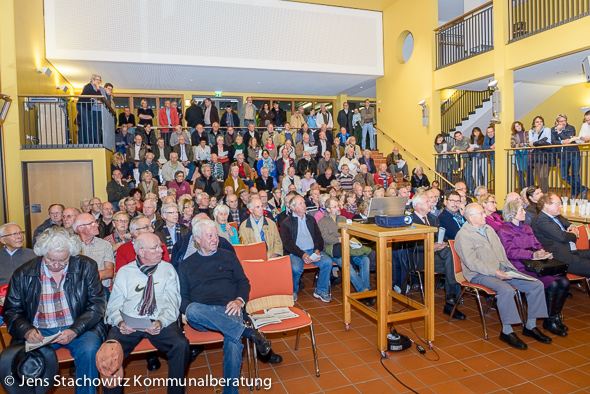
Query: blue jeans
{"x": 571, "y": 160}
{"x": 325, "y": 264}
{"x": 362, "y": 282}
{"x": 368, "y": 128}
{"x": 83, "y": 349}
{"x": 191, "y": 170}
{"x": 213, "y": 318}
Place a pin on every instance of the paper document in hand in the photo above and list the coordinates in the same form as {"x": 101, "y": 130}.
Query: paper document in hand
{"x": 140, "y": 324}
{"x": 314, "y": 257}
{"x": 45, "y": 341}
{"x": 401, "y": 164}
{"x": 518, "y": 275}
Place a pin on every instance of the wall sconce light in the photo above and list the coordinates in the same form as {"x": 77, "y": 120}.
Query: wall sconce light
{"x": 64, "y": 88}
{"x": 585, "y": 109}
{"x": 44, "y": 70}
{"x": 424, "y": 112}
{"x": 496, "y": 102}
{"x": 5, "y": 107}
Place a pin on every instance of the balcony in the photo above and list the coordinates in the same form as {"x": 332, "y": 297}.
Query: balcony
{"x": 52, "y": 122}
{"x": 465, "y": 36}
{"x": 529, "y": 17}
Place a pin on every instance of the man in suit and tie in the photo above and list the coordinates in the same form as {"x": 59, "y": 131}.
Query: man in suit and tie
{"x": 450, "y": 217}
{"x": 443, "y": 257}
{"x": 559, "y": 236}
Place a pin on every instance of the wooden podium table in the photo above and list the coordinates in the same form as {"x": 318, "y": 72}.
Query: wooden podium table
{"x": 384, "y": 292}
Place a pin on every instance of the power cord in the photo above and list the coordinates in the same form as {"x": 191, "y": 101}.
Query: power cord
{"x": 421, "y": 349}
{"x": 396, "y": 378}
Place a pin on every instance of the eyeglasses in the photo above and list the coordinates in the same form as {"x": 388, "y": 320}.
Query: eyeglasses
{"x": 121, "y": 221}
{"x": 492, "y": 202}
{"x": 54, "y": 213}
{"x": 143, "y": 228}
{"x": 51, "y": 262}
{"x": 87, "y": 224}
{"x": 155, "y": 248}
{"x": 171, "y": 213}
{"x": 555, "y": 203}
{"x": 13, "y": 234}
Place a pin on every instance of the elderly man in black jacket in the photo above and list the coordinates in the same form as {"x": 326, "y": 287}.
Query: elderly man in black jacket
{"x": 303, "y": 242}
{"x": 59, "y": 292}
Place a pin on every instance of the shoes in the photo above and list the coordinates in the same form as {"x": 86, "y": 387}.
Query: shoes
{"x": 451, "y": 299}
{"x": 370, "y": 301}
{"x": 323, "y": 297}
{"x": 262, "y": 344}
{"x": 294, "y": 297}
{"x": 513, "y": 340}
{"x": 153, "y": 363}
{"x": 536, "y": 334}
{"x": 335, "y": 280}
{"x": 195, "y": 351}
{"x": 551, "y": 324}
{"x": 457, "y": 315}
{"x": 301, "y": 285}
{"x": 271, "y": 358}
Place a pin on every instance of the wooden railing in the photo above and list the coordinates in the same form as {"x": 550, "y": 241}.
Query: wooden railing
{"x": 460, "y": 106}
{"x": 528, "y": 17}
{"x": 465, "y": 36}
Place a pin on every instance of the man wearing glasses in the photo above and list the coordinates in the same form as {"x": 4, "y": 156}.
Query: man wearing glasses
{"x": 13, "y": 254}
{"x": 97, "y": 249}
{"x": 170, "y": 232}
{"x": 450, "y": 218}
{"x": 126, "y": 253}
{"x": 55, "y": 211}
{"x": 59, "y": 292}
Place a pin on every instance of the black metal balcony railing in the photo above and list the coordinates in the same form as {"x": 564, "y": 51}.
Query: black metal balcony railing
{"x": 465, "y": 36}
{"x": 474, "y": 168}
{"x": 561, "y": 169}
{"x": 459, "y": 107}
{"x": 528, "y": 17}
{"x": 50, "y": 122}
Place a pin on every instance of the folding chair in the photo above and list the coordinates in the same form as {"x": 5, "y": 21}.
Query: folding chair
{"x": 476, "y": 290}
{"x": 583, "y": 242}
{"x": 265, "y": 294}
{"x": 256, "y": 251}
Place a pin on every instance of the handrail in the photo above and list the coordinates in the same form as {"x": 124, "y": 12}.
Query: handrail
{"x": 462, "y": 17}
{"x": 416, "y": 158}
{"x": 73, "y": 96}
{"x": 548, "y": 146}
{"x": 464, "y": 153}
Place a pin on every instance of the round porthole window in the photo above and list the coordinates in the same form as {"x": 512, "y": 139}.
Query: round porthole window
{"x": 405, "y": 46}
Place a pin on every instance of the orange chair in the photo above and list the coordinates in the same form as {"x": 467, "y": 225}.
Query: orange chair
{"x": 583, "y": 242}
{"x": 234, "y": 225}
{"x": 256, "y": 251}
{"x": 64, "y": 355}
{"x": 476, "y": 290}
{"x": 265, "y": 294}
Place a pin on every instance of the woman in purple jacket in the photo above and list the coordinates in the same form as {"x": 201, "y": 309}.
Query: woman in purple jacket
{"x": 520, "y": 243}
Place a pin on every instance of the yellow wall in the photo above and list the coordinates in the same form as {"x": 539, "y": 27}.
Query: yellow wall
{"x": 567, "y": 100}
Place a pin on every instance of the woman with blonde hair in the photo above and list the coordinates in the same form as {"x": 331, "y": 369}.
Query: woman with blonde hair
{"x": 148, "y": 184}
{"x": 186, "y": 209}
{"x": 118, "y": 163}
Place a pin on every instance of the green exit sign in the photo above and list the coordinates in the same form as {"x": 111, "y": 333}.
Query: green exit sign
{"x": 218, "y": 93}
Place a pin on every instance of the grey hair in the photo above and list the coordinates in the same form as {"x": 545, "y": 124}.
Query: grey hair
{"x": 57, "y": 239}
{"x": 220, "y": 208}
{"x": 469, "y": 210}
{"x": 3, "y": 227}
{"x": 166, "y": 206}
{"x": 135, "y": 223}
{"x": 478, "y": 190}
{"x": 560, "y": 116}
{"x": 420, "y": 198}
{"x": 199, "y": 225}
{"x": 323, "y": 199}
{"x": 200, "y": 196}
{"x": 510, "y": 210}
{"x": 151, "y": 202}
{"x": 83, "y": 201}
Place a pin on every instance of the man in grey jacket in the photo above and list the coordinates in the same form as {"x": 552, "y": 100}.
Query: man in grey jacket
{"x": 484, "y": 262}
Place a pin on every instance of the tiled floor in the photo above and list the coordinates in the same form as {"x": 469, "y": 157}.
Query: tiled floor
{"x": 350, "y": 363}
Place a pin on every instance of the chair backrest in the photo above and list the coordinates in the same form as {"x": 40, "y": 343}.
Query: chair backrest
{"x": 457, "y": 263}
{"x": 256, "y": 251}
{"x": 583, "y": 242}
{"x": 271, "y": 283}
{"x": 234, "y": 225}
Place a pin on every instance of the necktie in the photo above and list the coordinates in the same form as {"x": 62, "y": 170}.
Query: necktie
{"x": 426, "y": 220}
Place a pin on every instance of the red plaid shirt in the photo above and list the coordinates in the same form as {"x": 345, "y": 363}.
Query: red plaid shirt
{"x": 53, "y": 311}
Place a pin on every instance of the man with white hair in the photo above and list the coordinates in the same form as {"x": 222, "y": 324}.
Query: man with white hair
{"x": 126, "y": 252}
{"x": 95, "y": 207}
{"x": 13, "y": 254}
{"x": 186, "y": 155}
{"x": 484, "y": 262}
{"x": 171, "y": 167}
{"x": 214, "y": 291}
{"x": 170, "y": 232}
{"x": 59, "y": 292}
{"x": 257, "y": 228}
{"x": 55, "y": 219}
{"x": 149, "y": 209}
{"x": 443, "y": 257}
{"x": 96, "y": 248}
{"x": 149, "y": 289}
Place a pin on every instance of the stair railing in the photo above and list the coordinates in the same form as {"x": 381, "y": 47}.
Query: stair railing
{"x": 460, "y": 106}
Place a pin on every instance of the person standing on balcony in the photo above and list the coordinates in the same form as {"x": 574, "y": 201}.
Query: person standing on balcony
{"x": 464, "y": 160}
{"x": 211, "y": 114}
{"x": 324, "y": 118}
{"x": 89, "y": 110}
{"x": 569, "y": 158}
{"x": 540, "y": 135}
{"x": 520, "y": 159}
{"x": 145, "y": 114}
{"x": 194, "y": 116}
{"x": 247, "y": 114}
{"x": 367, "y": 122}
{"x": 489, "y": 142}
{"x": 126, "y": 118}
{"x": 345, "y": 118}
{"x": 167, "y": 117}
{"x": 280, "y": 117}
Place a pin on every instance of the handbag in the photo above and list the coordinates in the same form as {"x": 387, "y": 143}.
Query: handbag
{"x": 549, "y": 267}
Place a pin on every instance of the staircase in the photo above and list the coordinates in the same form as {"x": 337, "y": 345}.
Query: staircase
{"x": 457, "y": 108}
{"x": 377, "y": 157}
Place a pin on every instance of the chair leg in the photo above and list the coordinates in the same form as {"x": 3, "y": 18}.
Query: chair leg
{"x": 297, "y": 340}
{"x": 314, "y": 348}
{"x": 481, "y": 314}
{"x": 2, "y": 338}
{"x": 316, "y": 276}
{"x": 249, "y": 355}
{"x": 455, "y": 306}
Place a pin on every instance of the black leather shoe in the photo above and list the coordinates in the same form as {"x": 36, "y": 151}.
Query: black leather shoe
{"x": 335, "y": 280}
{"x": 513, "y": 340}
{"x": 262, "y": 344}
{"x": 370, "y": 301}
{"x": 153, "y": 363}
{"x": 195, "y": 351}
{"x": 301, "y": 285}
{"x": 451, "y": 299}
{"x": 271, "y": 358}
{"x": 457, "y": 315}
{"x": 550, "y": 324}
{"x": 562, "y": 326}
{"x": 537, "y": 334}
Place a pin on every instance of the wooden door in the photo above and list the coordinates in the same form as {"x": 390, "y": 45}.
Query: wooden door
{"x": 55, "y": 182}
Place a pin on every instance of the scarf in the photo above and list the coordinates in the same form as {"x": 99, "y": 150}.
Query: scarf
{"x": 169, "y": 244}
{"x": 269, "y": 163}
{"x": 147, "y": 304}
